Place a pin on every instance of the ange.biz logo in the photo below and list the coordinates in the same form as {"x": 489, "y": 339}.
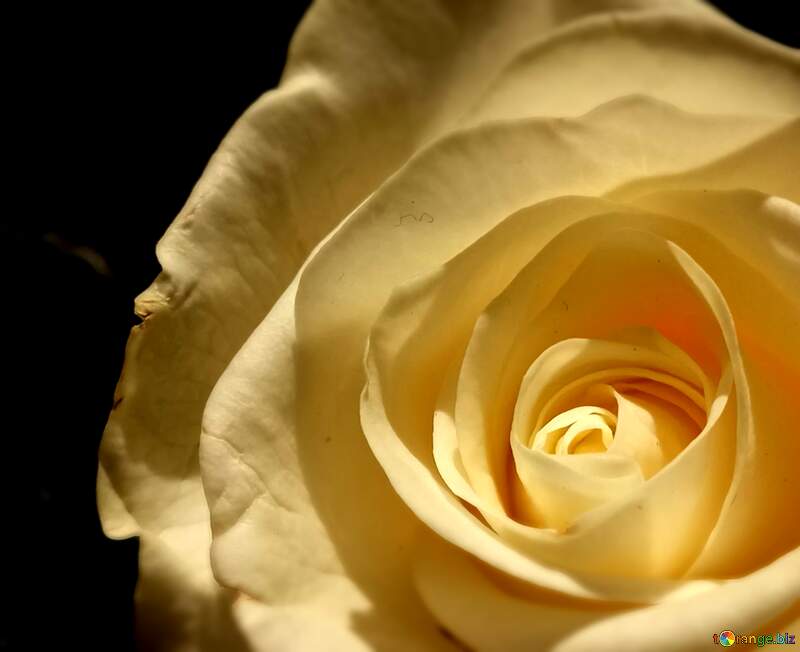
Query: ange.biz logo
{"x": 728, "y": 639}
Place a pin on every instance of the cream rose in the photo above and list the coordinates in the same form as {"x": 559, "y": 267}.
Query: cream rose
{"x": 482, "y": 330}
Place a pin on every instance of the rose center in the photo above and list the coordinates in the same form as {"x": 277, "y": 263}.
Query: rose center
{"x": 648, "y": 415}
{"x": 583, "y": 429}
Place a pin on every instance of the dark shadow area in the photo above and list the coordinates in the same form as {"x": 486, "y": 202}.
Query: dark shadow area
{"x": 771, "y": 18}
{"x": 122, "y": 111}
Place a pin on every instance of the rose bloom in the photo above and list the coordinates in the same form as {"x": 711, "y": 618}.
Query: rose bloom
{"x": 481, "y": 331}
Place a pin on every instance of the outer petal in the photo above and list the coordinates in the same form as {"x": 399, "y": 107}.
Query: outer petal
{"x": 480, "y": 611}
{"x": 180, "y": 608}
{"x": 768, "y": 165}
{"x": 613, "y": 55}
{"x": 269, "y": 540}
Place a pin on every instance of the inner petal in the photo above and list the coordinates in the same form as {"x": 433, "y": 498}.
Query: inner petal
{"x": 661, "y": 415}
{"x": 574, "y": 288}
{"x": 574, "y": 428}
{"x": 639, "y": 410}
{"x": 651, "y": 433}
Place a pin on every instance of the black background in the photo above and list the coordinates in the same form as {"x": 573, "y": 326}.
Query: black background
{"x": 117, "y": 115}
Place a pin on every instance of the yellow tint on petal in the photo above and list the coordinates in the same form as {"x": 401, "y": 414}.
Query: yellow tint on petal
{"x": 307, "y": 626}
{"x": 759, "y": 284}
{"x": 565, "y": 433}
{"x": 666, "y": 531}
{"x": 612, "y": 55}
{"x": 179, "y": 606}
{"x": 767, "y": 165}
{"x": 269, "y": 540}
{"x": 484, "y": 614}
{"x": 651, "y": 433}
{"x": 646, "y": 433}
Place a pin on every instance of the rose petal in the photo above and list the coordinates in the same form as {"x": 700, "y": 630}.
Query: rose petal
{"x": 561, "y": 488}
{"x": 269, "y": 540}
{"x": 179, "y": 606}
{"x": 304, "y": 627}
{"x": 760, "y": 286}
{"x": 613, "y": 55}
{"x": 485, "y": 615}
{"x": 768, "y": 165}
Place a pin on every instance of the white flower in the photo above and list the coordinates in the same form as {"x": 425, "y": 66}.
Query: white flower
{"x": 482, "y": 329}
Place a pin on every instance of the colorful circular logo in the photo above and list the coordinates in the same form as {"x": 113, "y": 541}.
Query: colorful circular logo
{"x": 727, "y": 638}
